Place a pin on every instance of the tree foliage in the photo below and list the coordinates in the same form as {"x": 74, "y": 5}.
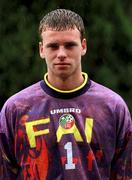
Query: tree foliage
{"x": 109, "y": 39}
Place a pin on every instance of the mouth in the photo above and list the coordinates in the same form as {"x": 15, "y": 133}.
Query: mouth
{"x": 62, "y": 65}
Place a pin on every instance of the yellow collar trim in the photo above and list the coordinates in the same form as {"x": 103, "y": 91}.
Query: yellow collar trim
{"x": 69, "y": 91}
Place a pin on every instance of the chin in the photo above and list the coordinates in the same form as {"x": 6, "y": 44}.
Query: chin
{"x": 63, "y": 75}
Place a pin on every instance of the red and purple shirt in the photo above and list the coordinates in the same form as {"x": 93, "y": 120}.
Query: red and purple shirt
{"x": 49, "y": 134}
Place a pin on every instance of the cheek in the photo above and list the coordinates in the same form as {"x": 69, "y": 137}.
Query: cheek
{"x": 79, "y": 51}
{"x": 77, "y": 54}
{"x": 50, "y": 55}
{"x": 49, "y": 58}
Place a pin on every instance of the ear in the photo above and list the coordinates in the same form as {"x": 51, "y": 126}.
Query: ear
{"x": 41, "y": 50}
{"x": 84, "y": 47}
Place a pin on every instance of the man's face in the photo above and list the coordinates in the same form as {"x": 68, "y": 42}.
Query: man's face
{"x": 62, "y": 51}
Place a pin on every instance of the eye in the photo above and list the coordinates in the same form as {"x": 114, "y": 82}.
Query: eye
{"x": 70, "y": 45}
{"x": 53, "y": 46}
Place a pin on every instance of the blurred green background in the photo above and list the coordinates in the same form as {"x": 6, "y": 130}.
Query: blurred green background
{"x": 109, "y": 39}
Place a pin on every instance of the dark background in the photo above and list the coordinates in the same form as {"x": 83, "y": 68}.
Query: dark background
{"x": 109, "y": 38}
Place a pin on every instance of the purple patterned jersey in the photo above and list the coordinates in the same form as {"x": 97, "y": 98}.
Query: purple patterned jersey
{"x": 48, "y": 134}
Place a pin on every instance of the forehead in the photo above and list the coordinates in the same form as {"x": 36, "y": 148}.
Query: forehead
{"x": 54, "y": 35}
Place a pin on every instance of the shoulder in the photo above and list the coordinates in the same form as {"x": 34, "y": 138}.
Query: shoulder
{"x": 111, "y": 102}
{"x": 20, "y": 104}
{"x": 25, "y": 96}
{"x": 107, "y": 98}
{"x": 105, "y": 93}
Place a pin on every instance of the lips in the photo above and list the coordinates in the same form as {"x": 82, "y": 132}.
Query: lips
{"x": 62, "y": 66}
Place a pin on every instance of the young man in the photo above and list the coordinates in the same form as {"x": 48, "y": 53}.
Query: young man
{"x": 65, "y": 126}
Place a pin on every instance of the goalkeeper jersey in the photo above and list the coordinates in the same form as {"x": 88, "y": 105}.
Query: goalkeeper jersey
{"x": 50, "y": 134}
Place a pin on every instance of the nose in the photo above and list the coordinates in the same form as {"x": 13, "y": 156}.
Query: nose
{"x": 61, "y": 54}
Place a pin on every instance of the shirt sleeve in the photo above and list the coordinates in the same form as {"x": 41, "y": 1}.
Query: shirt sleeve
{"x": 121, "y": 168}
{"x": 8, "y": 165}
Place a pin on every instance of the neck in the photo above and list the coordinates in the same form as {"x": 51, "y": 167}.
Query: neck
{"x": 66, "y": 84}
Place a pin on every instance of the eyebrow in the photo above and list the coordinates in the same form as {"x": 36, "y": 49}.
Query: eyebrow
{"x": 51, "y": 44}
{"x": 72, "y": 43}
